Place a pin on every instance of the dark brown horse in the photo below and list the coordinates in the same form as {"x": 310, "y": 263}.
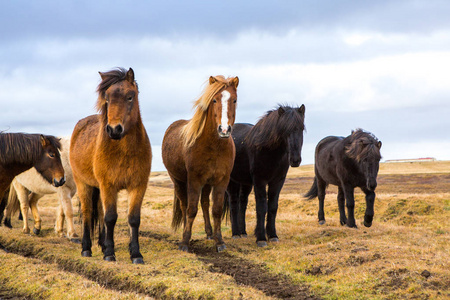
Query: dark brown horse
{"x": 348, "y": 163}
{"x": 199, "y": 156}
{"x": 110, "y": 152}
{"x": 20, "y": 152}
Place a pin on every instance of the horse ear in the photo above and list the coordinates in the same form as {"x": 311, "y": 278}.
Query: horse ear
{"x": 44, "y": 141}
{"x": 212, "y": 79}
{"x": 301, "y": 109}
{"x": 280, "y": 111}
{"x": 130, "y": 76}
{"x": 235, "y": 82}
{"x": 379, "y": 144}
{"x": 101, "y": 75}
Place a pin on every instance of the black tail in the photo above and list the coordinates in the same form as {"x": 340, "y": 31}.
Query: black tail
{"x": 177, "y": 215}
{"x": 312, "y": 191}
{"x": 226, "y": 207}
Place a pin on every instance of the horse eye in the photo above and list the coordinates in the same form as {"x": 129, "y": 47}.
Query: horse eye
{"x": 52, "y": 155}
{"x": 234, "y": 101}
{"x": 214, "y": 101}
{"x": 130, "y": 98}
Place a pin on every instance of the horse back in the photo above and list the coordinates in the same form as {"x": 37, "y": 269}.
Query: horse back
{"x": 328, "y": 155}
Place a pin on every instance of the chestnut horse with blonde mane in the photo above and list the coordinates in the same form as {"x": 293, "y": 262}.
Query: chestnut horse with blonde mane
{"x": 110, "y": 152}
{"x": 199, "y": 155}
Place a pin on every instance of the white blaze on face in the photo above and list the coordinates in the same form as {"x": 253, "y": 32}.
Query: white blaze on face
{"x": 225, "y": 97}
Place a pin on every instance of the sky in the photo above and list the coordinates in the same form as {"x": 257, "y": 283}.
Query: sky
{"x": 383, "y": 66}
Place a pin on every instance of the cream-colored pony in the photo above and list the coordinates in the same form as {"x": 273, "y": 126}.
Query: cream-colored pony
{"x": 28, "y": 187}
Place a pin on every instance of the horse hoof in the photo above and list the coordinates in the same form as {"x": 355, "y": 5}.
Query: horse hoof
{"x": 367, "y": 224}
{"x": 7, "y": 223}
{"x": 274, "y": 240}
{"x": 244, "y": 235}
{"x": 343, "y": 223}
{"x": 36, "y": 231}
{"x": 261, "y": 244}
{"x": 75, "y": 240}
{"x": 183, "y": 248}
{"x": 352, "y": 226}
{"x": 236, "y": 237}
{"x": 321, "y": 222}
{"x": 138, "y": 260}
{"x": 110, "y": 258}
{"x": 221, "y": 248}
{"x": 209, "y": 237}
{"x": 86, "y": 253}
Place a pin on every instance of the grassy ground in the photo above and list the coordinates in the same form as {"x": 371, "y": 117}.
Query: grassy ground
{"x": 404, "y": 255}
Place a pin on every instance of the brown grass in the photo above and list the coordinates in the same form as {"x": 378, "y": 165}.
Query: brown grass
{"x": 405, "y": 254}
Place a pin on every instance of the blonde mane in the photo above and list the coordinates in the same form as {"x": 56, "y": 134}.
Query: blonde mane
{"x": 194, "y": 128}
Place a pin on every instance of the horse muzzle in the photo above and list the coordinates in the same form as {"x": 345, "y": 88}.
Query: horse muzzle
{"x": 224, "y": 132}
{"x": 295, "y": 163}
{"x": 371, "y": 184}
{"x": 58, "y": 183}
{"x": 116, "y": 132}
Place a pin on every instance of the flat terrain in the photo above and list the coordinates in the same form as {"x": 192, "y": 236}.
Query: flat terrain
{"x": 404, "y": 255}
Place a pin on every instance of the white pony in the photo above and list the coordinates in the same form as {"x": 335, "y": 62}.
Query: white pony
{"x": 29, "y": 186}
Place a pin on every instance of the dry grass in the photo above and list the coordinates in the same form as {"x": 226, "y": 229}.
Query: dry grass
{"x": 409, "y": 235}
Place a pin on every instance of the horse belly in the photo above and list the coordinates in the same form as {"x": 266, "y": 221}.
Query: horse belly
{"x": 35, "y": 183}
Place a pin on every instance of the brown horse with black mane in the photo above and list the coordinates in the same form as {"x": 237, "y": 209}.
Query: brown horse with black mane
{"x": 20, "y": 152}
{"x": 199, "y": 156}
{"x": 110, "y": 152}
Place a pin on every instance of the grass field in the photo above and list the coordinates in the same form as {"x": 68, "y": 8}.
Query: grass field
{"x": 404, "y": 255}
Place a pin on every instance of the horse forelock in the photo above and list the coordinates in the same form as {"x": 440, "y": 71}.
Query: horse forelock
{"x": 362, "y": 145}
{"x": 108, "y": 79}
{"x": 194, "y": 128}
{"x": 272, "y": 128}
{"x": 22, "y": 148}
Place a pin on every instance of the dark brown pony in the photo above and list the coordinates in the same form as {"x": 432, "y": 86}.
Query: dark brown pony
{"x": 110, "y": 152}
{"x": 348, "y": 163}
{"x": 199, "y": 156}
{"x": 20, "y": 152}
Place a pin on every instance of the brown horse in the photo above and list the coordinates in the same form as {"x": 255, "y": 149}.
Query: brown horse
{"x": 199, "y": 156}
{"x": 20, "y": 152}
{"x": 110, "y": 152}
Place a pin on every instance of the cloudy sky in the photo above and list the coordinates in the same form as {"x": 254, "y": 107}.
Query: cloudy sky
{"x": 383, "y": 66}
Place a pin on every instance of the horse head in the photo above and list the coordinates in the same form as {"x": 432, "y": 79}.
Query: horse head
{"x": 223, "y": 106}
{"x": 365, "y": 150}
{"x": 292, "y": 120}
{"x": 118, "y": 102}
{"x": 49, "y": 163}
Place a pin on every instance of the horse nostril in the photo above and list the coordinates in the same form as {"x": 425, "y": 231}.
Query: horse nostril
{"x": 62, "y": 181}
{"x": 229, "y": 128}
{"x": 109, "y": 129}
{"x": 119, "y": 129}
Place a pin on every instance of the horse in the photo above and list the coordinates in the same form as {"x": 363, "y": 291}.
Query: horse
{"x": 28, "y": 187}
{"x": 264, "y": 153}
{"x": 347, "y": 162}
{"x": 109, "y": 152}
{"x": 22, "y": 151}
{"x": 199, "y": 154}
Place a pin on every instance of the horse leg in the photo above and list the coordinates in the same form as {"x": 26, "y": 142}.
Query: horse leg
{"x": 350, "y": 203}
{"x": 3, "y": 201}
{"x": 341, "y": 204}
{"x": 136, "y": 196}
{"x": 181, "y": 194}
{"x": 85, "y": 194}
{"x": 321, "y": 186}
{"x": 217, "y": 209}
{"x": 245, "y": 190}
{"x": 273, "y": 195}
{"x": 261, "y": 210}
{"x": 109, "y": 201}
{"x": 370, "y": 201}
{"x": 205, "y": 208}
{"x": 233, "y": 193}
{"x": 22, "y": 194}
{"x": 66, "y": 212}
{"x": 59, "y": 224}
{"x": 193, "y": 194}
{"x": 33, "y": 200}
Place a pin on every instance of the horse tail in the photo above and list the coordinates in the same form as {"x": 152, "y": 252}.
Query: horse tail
{"x": 13, "y": 203}
{"x": 177, "y": 215}
{"x": 313, "y": 191}
{"x": 226, "y": 207}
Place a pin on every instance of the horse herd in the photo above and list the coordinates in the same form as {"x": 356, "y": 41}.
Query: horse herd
{"x": 209, "y": 153}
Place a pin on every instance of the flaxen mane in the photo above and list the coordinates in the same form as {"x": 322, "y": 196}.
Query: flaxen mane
{"x": 22, "y": 148}
{"x": 361, "y": 145}
{"x": 109, "y": 78}
{"x": 273, "y": 127}
{"x": 194, "y": 128}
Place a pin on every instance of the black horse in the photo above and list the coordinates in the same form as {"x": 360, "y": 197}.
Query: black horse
{"x": 348, "y": 163}
{"x": 263, "y": 155}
